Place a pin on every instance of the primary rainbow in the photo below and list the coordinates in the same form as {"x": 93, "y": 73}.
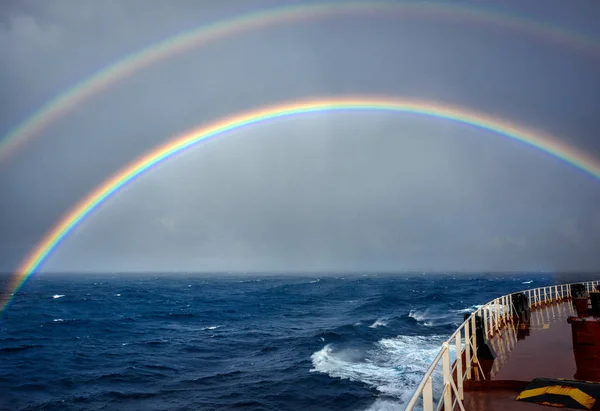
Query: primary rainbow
{"x": 134, "y": 62}
{"x": 533, "y": 138}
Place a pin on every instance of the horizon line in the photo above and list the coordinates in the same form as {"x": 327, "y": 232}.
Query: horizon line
{"x": 312, "y": 272}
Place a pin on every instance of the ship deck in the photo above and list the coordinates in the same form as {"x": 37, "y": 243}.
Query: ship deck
{"x": 546, "y": 352}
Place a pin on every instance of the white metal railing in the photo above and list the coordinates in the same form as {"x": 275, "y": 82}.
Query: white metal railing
{"x": 494, "y": 315}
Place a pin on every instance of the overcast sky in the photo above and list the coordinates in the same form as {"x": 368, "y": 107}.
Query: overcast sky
{"x": 328, "y": 191}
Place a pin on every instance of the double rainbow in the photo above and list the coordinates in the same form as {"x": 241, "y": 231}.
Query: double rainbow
{"x": 178, "y": 144}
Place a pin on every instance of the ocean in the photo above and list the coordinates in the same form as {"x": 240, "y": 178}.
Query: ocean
{"x": 192, "y": 342}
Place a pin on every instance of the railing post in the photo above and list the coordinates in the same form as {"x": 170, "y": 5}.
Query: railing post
{"x": 474, "y": 354}
{"x": 542, "y": 293}
{"x": 428, "y": 395}
{"x": 459, "y": 374}
{"x": 562, "y": 292}
{"x": 484, "y": 320}
{"x": 499, "y": 307}
{"x": 510, "y": 309}
{"x": 468, "y": 349}
{"x": 447, "y": 376}
{"x": 491, "y": 317}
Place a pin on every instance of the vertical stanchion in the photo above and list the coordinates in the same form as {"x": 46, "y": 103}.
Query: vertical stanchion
{"x": 446, "y": 376}
{"x": 474, "y": 338}
{"x": 468, "y": 349}
{"x": 428, "y": 395}
{"x": 491, "y": 327}
{"x": 484, "y": 320}
{"x": 562, "y": 292}
{"x": 459, "y": 374}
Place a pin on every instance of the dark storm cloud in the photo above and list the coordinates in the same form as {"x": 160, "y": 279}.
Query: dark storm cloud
{"x": 455, "y": 211}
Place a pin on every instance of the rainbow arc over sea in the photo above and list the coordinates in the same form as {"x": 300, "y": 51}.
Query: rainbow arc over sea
{"x": 253, "y": 21}
{"x": 92, "y": 202}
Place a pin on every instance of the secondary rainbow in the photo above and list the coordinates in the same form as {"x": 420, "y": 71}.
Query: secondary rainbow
{"x": 86, "y": 206}
{"x": 127, "y": 66}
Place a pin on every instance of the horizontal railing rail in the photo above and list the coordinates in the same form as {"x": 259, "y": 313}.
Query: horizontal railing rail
{"x": 494, "y": 316}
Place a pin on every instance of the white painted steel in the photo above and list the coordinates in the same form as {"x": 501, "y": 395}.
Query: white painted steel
{"x": 494, "y": 314}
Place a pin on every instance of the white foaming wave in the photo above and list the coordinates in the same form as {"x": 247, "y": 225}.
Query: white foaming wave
{"x": 498, "y": 308}
{"x": 58, "y": 319}
{"x": 315, "y": 281}
{"x": 212, "y": 327}
{"x": 418, "y": 315}
{"x": 380, "y": 322}
{"x": 469, "y": 310}
{"x": 394, "y": 366}
{"x": 341, "y": 364}
{"x": 57, "y": 296}
{"x": 430, "y": 318}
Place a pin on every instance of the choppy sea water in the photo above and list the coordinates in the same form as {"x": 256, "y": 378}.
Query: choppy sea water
{"x": 186, "y": 342}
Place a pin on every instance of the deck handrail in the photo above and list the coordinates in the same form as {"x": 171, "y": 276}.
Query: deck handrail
{"x": 452, "y": 392}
